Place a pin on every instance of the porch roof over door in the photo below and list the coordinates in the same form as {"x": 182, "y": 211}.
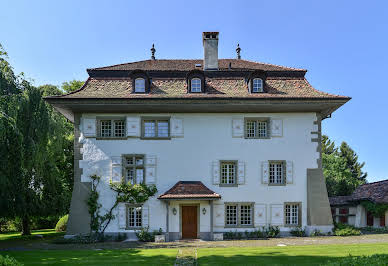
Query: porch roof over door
{"x": 189, "y": 190}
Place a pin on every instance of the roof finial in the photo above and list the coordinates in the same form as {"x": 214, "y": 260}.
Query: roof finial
{"x": 153, "y": 50}
{"x": 238, "y": 50}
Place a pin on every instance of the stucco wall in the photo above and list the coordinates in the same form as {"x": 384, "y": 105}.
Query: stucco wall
{"x": 208, "y": 137}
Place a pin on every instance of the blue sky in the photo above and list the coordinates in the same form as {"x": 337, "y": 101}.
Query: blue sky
{"x": 343, "y": 44}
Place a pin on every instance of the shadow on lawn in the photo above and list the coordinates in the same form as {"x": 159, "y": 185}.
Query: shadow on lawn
{"x": 269, "y": 258}
{"x": 93, "y": 257}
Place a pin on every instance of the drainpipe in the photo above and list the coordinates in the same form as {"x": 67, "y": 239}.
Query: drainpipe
{"x": 211, "y": 220}
{"x": 167, "y": 221}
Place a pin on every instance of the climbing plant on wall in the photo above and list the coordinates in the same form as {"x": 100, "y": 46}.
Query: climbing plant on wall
{"x": 376, "y": 209}
{"x": 125, "y": 192}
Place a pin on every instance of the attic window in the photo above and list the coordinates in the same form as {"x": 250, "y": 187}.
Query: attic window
{"x": 195, "y": 85}
{"x": 139, "y": 85}
{"x": 257, "y": 85}
{"x": 198, "y": 65}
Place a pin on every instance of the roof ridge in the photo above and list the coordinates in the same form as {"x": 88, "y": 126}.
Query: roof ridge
{"x": 269, "y": 64}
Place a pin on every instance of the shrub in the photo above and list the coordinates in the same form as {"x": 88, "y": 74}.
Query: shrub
{"x": 347, "y": 232}
{"x": 377, "y": 259}
{"x": 9, "y": 261}
{"x": 62, "y": 224}
{"x": 316, "y": 232}
{"x": 144, "y": 235}
{"x": 272, "y": 231}
{"x": 298, "y": 231}
{"x": 380, "y": 230}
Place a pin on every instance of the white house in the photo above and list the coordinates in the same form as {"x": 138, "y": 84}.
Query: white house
{"x": 230, "y": 144}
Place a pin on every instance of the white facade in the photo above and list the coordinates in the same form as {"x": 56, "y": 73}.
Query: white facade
{"x": 199, "y": 141}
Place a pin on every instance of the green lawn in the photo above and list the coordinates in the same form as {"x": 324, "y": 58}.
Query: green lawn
{"x": 290, "y": 255}
{"x": 96, "y": 257}
{"x": 46, "y": 233}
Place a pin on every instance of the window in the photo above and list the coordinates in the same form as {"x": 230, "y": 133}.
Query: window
{"x": 112, "y": 128}
{"x": 228, "y": 173}
{"x": 134, "y": 216}
{"x": 257, "y": 85}
{"x": 134, "y": 168}
{"x": 156, "y": 128}
{"x": 256, "y": 128}
{"x": 239, "y": 214}
{"x": 231, "y": 215}
{"x": 195, "y": 85}
{"x": 292, "y": 214}
{"x": 245, "y": 215}
{"x": 276, "y": 173}
{"x": 139, "y": 85}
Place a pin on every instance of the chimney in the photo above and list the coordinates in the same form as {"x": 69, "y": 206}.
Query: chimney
{"x": 210, "y": 50}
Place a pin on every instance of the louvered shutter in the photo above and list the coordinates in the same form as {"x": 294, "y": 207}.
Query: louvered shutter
{"x": 116, "y": 169}
{"x": 150, "y": 169}
{"x": 122, "y": 215}
{"x": 89, "y": 127}
{"x": 289, "y": 172}
{"x": 260, "y": 215}
{"x": 276, "y": 128}
{"x": 216, "y": 172}
{"x": 265, "y": 172}
{"x": 176, "y": 125}
{"x": 241, "y": 172}
{"x": 145, "y": 216}
{"x": 219, "y": 214}
{"x": 133, "y": 126}
{"x": 238, "y": 128}
{"x": 277, "y": 214}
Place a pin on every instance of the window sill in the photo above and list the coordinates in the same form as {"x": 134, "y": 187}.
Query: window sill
{"x": 292, "y": 225}
{"x": 133, "y": 228}
{"x": 228, "y": 185}
{"x": 239, "y": 226}
{"x": 111, "y": 138}
{"x": 257, "y": 138}
{"x": 155, "y": 138}
{"x": 277, "y": 185}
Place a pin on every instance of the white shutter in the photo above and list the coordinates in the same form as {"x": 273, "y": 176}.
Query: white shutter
{"x": 276, "y": 128}
{"x": 122, "y": 215}
{"x": 241, "y": 172}
{"x": 133, "y": 126}
{"x": 145, "y": 216}
{"x": 238, "y": 128}
{"x": 260, "y": 215}
{"x": 276, "y": 214}
{"x": 176, "y": 125}
{"x": 116, "y": 169}
{"x": 150, "y": 175}
{"x": 150, "y": 172}
{"x": 289, "y": 172}
{"x": 219, "y": 213}
{"x": 89, "y": 127}
{"x": 216, "y": 172}
{"x": 265, "y": 172}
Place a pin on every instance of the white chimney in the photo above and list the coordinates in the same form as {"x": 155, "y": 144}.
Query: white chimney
{"x": 210, "y": 50}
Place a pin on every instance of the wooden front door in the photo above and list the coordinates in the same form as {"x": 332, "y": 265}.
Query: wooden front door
{"x": 189, "y": 221}
{"x": 369, "y": 219}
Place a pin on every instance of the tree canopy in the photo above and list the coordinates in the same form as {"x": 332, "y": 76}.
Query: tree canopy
{"x": 342, "y": 171}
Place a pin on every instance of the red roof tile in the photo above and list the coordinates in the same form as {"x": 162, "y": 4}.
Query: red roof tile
{"x": 189, "y": 190}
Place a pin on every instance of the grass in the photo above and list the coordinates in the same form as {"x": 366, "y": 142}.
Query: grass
{"x": 46, "y": 233}
{"x": 96, "y": 257}
{"x": 290, "y": 255}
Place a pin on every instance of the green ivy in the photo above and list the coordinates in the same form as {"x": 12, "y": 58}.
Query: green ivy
{"x": 376, "y": 209}
{"x": 125, "y": 192}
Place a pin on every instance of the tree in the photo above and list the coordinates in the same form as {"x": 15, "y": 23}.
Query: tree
{"x": 72, "y": 85}
{"x": 342, "y": 171}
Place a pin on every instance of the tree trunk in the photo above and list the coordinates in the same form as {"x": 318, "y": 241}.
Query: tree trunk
{"x": 26, "y": 226}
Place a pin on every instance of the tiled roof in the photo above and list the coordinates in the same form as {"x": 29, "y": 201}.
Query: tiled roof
{"x": 190, "y": 64}
{"x": 189, "y": 190}
{"x": 340, "y": 200}
{"x": 376, "y": 192}
{"x": 228, "y": 87}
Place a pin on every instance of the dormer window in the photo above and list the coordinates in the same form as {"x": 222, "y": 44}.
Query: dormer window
{"x": 139, "y": 85}
{"x": 195, "y": 85}
{"x": 257, "y": 85}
